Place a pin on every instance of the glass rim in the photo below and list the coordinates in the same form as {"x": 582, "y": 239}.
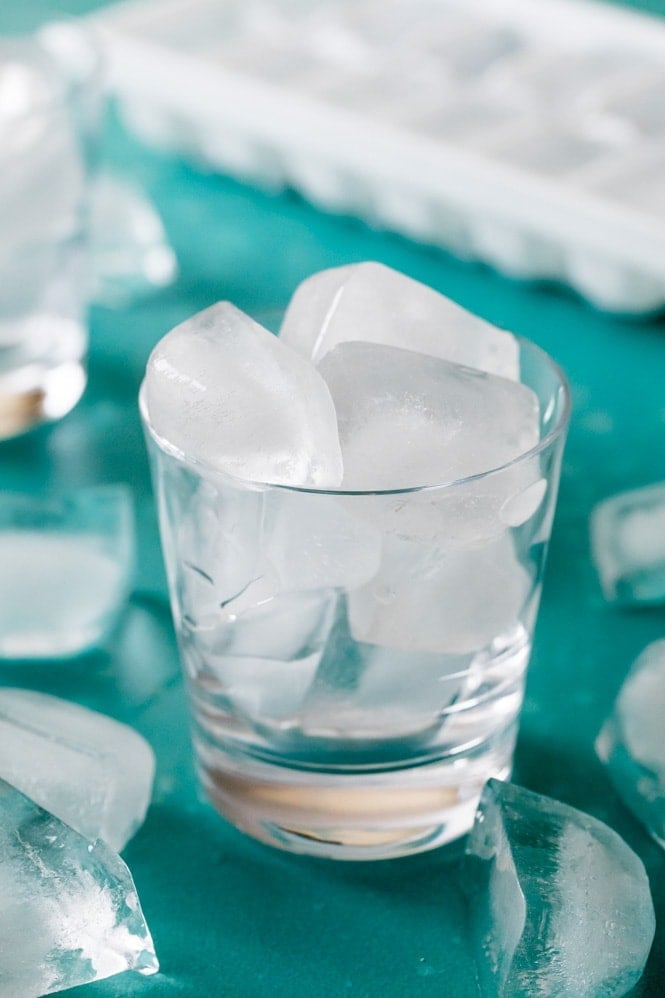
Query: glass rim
{"x": 554, "y": 433}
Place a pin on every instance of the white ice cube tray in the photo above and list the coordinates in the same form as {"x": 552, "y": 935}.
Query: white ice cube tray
{"x": 529, "y": 134}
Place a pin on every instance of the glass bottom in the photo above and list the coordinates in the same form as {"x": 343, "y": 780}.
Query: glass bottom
{"x": 353, "y": 816}
{"x": 35, "y": 394}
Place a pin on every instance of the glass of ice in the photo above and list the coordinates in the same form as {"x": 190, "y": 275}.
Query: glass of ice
{"x": 356, "y": 659}
{"x": 48, "y": 96}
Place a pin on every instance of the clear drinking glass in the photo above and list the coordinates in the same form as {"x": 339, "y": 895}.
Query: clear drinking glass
{"x": 356, "y": 661}
{"x": 49, "y": 85}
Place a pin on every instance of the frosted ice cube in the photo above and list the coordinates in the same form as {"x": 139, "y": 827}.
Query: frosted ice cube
{"x": 632, "y": 740}
{"x": 442, "y": 600}
{"x": 65, "y": 567}
{"x": 90, "y": 771}
{"x": 221, "y": 389}
{"x": 559, "y": 904}
{"x": 628, "y": 545}
{"x": 130, "y": 252}
{"x": 371, "y": 302}
{"x": 69, "y": 912}
{"x": 406, "y": 419}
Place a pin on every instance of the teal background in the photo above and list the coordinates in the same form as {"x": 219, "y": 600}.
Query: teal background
{"x": 230, "y": 916}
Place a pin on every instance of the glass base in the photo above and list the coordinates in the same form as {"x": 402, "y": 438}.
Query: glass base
{"x": 32, "y": 396}
{"x": 353, "y": 816}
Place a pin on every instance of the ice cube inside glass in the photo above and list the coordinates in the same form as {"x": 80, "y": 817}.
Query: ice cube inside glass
{"x": 356, "y": 656}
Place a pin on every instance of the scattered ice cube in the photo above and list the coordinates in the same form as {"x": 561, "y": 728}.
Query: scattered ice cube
{"x": 371, "y": 302}
{"x": 442, "y": 600}
{"x": 223, "y": 390}
{"x": 632, "y": 740}
{"x": 406, "y": 419}
{"x": 144, "y": 658}
{"x": 69, "y": 912}
{"x": 90, "y": 771}
{"x": 65, "y": 567}
{"x": 628, "y": 545}
{"x": 130, "y": 252}
{"x": 559, "y": 904}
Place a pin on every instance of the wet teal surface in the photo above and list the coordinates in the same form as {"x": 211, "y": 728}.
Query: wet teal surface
{"x": 232, "y": 917}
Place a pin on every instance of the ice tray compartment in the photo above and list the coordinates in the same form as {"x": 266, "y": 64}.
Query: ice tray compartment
{"x": 493, "y": 130}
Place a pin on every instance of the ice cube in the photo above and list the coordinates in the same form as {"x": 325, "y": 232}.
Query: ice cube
{"x": 263, "y": 660}
{"x": 316, "y": 542}
{"x": 371, "y": 302}
{"x": 220, "y": 545}
{"x": 632, "y": 740}
{"x": 130, "y": 252}
{"x": 408, "y": 420}
{"x": 284, "y": 626}
{"x": 363, "y": 692}
{"x": 65, "y": 567}
{"x": 240, "y": 549}
{"x": 222, "y": 390}
{"x": 628, "y": 545}
{"x": 69, "y": 912}
{"x": 473, "y": 511}
{"x": 559, "y": 904}
{"x": 449, "y": 601}
{"x": 261, "y": 690}
{"x": 90, "y": 771}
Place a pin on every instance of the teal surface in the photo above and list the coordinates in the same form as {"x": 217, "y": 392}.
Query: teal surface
{"x": 232, "y": 917}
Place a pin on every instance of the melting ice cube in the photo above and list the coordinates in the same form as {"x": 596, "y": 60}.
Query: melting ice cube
{"x": 407, "y": 420}
{"x": 628, "y": 545}
{"x": 559, "y": 904}
{"x": 371, "y": 302}
{"x": 69, "y": 912}
{"x": 221, "y": 389}
{"x": 65, "y": 568}
{"x": 90, "y": 771}
{"x": 632, "y": 740}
